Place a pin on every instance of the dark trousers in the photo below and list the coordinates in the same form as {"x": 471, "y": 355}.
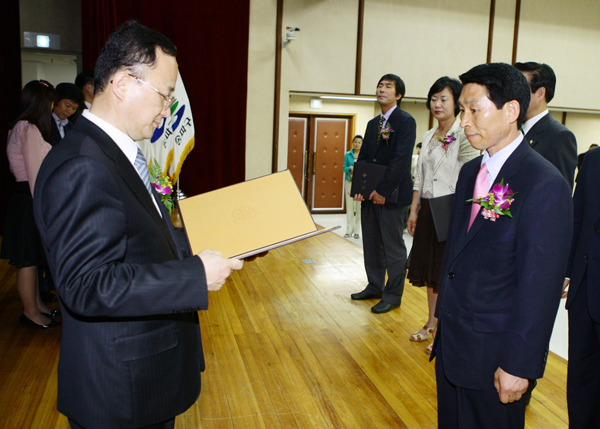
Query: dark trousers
{"x": 169, "y": 424}
{"x": 384, "y": 250}
{"x": 583, "y": 379}
{"x": 460, "y": 408}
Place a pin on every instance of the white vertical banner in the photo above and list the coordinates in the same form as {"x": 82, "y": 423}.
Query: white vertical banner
{"x": 174, "y": 138}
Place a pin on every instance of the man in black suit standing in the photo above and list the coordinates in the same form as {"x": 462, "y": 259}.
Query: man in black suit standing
{"x": 547, "y": 136}
{"x": 389, "y": 140}
{"x": 583, "y": 299}
{"x": 131, "y": 353}
{"x": 502, "y": 272}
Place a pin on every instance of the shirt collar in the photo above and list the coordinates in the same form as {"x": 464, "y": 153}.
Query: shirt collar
{"x": 388, "y": 113}
{"x": 59, "y": 122}
{"x": 125, "y": 143}
{"x": 495, "y": 163}
{"x": 527, "y": 125}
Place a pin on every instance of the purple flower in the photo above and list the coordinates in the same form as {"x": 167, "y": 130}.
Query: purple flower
{"x": 163, "y": 190}
{"x": 502, "y": 196}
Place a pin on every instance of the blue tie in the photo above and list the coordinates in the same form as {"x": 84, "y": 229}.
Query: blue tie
{"x": 142, "y": 167}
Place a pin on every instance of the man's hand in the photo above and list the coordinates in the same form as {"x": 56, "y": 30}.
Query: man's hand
{"x": 377, "y": 198}
{"x": 358, "y": 197}
{"x": 565, "y": 291}
{"x": 217, "y": 268}
{"x": 509, "y": 387}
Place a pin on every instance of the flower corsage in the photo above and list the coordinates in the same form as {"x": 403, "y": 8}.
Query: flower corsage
{"x": 162, "y": 184}
{"x": 497, "y": 202}
{"x": 386, "y": 132}
{"x": 446, "y": 141}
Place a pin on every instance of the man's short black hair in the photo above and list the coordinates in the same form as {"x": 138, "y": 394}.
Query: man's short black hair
{"x": 503, "y": 83}
{"x": 399, "y": 83}
{"x": 130, "y": 47}
{"x": 420, "y": 145}
{"x": 446, "y": 82}
{"x": 84, "y": 78}
{"x": 358, "y": 136}
{"x": 542, "y": 75}
{"x": 69, "y": 91}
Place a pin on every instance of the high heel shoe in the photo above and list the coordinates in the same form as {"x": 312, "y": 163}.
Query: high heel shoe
{"x": 24, "y": 320}
{"x": 51, "y": 314}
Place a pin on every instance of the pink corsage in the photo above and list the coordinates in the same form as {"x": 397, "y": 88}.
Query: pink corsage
{"x": 497, "y": 202}
{"x": 385, "y": 133}
{"x": 162, "y": 184}
{"x": 446, "y": 141}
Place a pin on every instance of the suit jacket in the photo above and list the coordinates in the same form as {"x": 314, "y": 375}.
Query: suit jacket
{"x": 585, "y": 248}
{"x": 395, "y": 152}
{"x": 556, "y": 143}
{"x": 130, "y": 351}
{"x": 448, "y": 165}
{"x": 501, "y": 282}
{"x": 55, "y": 134}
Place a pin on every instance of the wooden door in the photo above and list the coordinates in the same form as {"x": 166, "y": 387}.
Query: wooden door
{"x": 329, "y": 147}
{"x": 297, "y": 151}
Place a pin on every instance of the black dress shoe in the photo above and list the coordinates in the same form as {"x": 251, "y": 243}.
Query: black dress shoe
{"x": 52, "y": 313}
{"x": 24, "y": 320}
{"x": 48, "y": 297}
{"x": 364, "y": 295}
{"x": 384, "y": 307}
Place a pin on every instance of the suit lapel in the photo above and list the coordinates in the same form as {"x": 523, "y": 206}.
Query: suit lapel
{"x": 533, "y": 135}
{"x": 131, "y": 177}
{"x": 507, "y": 172}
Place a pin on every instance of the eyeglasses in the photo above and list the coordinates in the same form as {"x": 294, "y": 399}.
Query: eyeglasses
{"x": 169, "y": 101}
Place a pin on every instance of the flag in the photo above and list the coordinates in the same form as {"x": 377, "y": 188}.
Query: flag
{"x": 174, "y": 138}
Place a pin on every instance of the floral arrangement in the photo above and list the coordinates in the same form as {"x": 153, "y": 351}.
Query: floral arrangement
{"x": 446, "y": 141}
{"x": 497, "y": 202}
{"x": 162, "y": 184}
{"x": 385, "y": 133}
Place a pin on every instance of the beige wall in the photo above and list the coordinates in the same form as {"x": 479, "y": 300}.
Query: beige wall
{"x": 420, "y": 41}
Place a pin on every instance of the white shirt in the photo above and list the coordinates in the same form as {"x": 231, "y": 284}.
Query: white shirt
{"x": 527, "y": 125}
{"x": 122, "y": 140}
{"x": 60, "y": 123}
{"x": 495, "y": 163}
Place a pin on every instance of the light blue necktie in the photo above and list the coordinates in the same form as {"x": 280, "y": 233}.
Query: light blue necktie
{"x": 141, "y": 165}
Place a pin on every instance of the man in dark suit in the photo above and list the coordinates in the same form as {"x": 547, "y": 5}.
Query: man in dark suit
{"x": 131, "y": 353}
{"x": 580, "y": 158}
{"x": 583, "y": 299}
{"x": 502, "y": 274}
{"x": 547, "y": 136}
{"x": 69, "y": 98}
{"x": 389, "y": 140}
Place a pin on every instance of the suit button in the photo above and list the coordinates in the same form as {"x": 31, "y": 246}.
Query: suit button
{"x": 451, "y": 276}
{"x": 597, "y": 230}
{"x": 585, "y": 256}
{"x": 374, "y": 160}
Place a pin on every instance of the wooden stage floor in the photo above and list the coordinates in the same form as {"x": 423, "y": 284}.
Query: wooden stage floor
{"x": 285, "y": 347}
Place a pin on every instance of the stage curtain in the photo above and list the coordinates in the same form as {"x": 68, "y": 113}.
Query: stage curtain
{"x": 10, "y": 76}
{"x": 212, "y": 43}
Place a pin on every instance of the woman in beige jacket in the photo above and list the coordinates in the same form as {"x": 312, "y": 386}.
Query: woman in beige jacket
{"x": 445, "y": 149}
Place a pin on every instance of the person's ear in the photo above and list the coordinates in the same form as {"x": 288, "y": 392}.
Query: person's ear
{"x": 512, "y": 110}
{"x": 120, "y": 84}
{"x": 540, "y": 94}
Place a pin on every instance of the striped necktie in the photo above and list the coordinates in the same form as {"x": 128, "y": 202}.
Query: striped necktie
{"x": 381, "y": 119}
{"x": 142, "y": 167}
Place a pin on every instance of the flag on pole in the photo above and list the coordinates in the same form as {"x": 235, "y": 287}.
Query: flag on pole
{"x": 174, "y": 138}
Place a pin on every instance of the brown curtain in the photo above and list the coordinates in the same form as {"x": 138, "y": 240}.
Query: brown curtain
{"x": 212, "y": 43}
{"x": 10, "y": 76}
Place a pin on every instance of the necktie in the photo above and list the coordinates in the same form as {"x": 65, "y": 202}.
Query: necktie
{"x": 480, "y": 190}
{"x": 381, "y": 119}
{"x": 142, "y": 167}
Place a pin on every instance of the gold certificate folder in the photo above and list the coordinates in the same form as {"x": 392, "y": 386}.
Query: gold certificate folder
{"x": 248, "y": 218}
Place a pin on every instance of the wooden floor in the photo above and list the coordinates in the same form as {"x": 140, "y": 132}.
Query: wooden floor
{"x": 285, "y": 347}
